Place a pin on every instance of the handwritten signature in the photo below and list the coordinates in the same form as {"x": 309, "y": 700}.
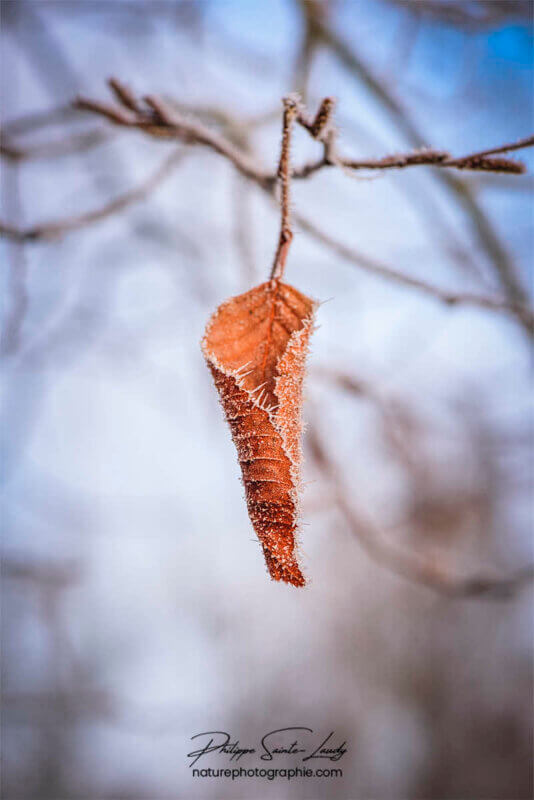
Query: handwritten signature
{"x": 293, "y": 741}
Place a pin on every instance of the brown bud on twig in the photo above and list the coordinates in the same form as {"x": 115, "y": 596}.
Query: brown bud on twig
{"x": 323, "y": 118}
{"x": 124, "y": 95}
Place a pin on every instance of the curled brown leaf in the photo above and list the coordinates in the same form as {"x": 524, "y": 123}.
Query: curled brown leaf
{"x": 255, "y": 346}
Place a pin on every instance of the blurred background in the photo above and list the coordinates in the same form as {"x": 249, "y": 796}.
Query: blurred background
{"x": 137, "y": 610}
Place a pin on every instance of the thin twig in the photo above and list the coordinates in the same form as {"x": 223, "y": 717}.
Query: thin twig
{"x": 471, "y": 16}
{"x": 36, "y": 120}
{"x": 304, "y": 62}
{"x": 528, "y": 141}
{"x": 66, "y": 146}
{"x": 18, "y": 269}
{"x": 450, "y": 298}
{"x": 124, "y": 95}
{"x": 243, "y": 227}
{"x": 321, "y": 128}
{"x": 161, "y": 121}
{"x": 410, "y": 565}
{"x": 284, "y": 175}
{"x": 349, "y": 57}
{"x": 57, "y": 228}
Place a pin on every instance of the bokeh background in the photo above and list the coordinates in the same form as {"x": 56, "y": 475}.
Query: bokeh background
{"x": 136, "y": 606}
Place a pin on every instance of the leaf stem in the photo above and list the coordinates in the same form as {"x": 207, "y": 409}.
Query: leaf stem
{"x": 284, "y": 176}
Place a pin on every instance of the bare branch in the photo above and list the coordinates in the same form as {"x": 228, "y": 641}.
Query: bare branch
{"x": 349, "y": 57}
{"x": 475, "y": 162}
{"x": 468, "y": 15}
{"x": 528, "y": 141}
{"x": 408, "y": 564}
{"x": 115, "y": 114}
{"x": 242, "y": 228}
{"x": 54, "y": 229}
{"x": 284, "y": 175}
{"x": 18, "y": 269}
{"x": 304, "y": 62}
{"x": 160, "y": 120}
{"x": 124, "y": 95}
{"x": 450, "y": 298}
{"x": 66, "y": 146}
{"x": 36, "y": 120}
{"x": 322, "y": 129}
{"x": 440, "y": 158}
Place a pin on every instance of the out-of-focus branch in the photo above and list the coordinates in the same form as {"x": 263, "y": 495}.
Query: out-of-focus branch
{"x": 162, "y": 121}
{"x": 409, "y": 565}
{"x": 521, "y": 311}
{"x": 156, "y": 118}
{"x": 67, "y": 145}
{"x": 56, "y": 228}
{"x": 18, "y": 268}
{"x": 469, "y": 15}
{"x": 35, "y": 120}
{"x": 304, "y": 62}
{"x": 57, "y": 576}
{"x": 243, "y": 227}
{"x": 315, "y": 16}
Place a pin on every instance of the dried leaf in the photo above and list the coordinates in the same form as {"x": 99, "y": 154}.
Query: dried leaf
{"x": 255, "y": 345}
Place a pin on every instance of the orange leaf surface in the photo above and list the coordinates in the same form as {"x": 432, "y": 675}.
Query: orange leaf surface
{"x": 255, "y": 346}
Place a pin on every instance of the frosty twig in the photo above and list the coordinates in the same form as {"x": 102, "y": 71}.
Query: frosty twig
{"x": 159, "y": 119}
{"x": 284, "y": 176}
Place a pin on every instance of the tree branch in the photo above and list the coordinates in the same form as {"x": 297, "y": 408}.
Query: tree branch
{"x": 284, "y": 175}
{"x": 157, "y": 119}
{"x": 450, "y": 298}
{"x": 481, "y": 162}
{"x": 162, "y": 121}
{"x": 57, "y": 228}
{"x": 410, "y": 565}
{"x": 467, "y": 15}
{"x": 316, "y": 17}
{"x": 66, "y": 146}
